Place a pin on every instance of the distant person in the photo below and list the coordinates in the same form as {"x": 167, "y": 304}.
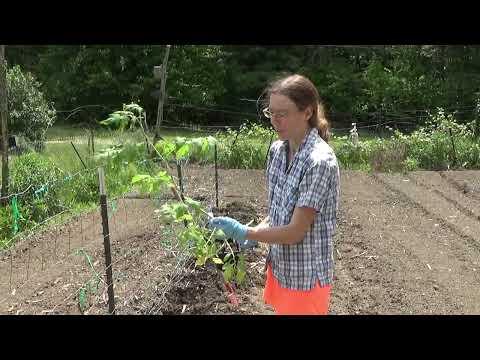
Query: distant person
{"x": 303, "y": 192}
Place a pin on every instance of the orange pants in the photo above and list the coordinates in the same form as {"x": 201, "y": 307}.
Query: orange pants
{"x": 295, "y": 302}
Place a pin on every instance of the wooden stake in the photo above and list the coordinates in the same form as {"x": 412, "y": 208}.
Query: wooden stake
{"x": 106, "y": 241}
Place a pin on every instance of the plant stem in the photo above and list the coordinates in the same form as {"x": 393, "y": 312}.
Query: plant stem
{"x": 173, "y": 186}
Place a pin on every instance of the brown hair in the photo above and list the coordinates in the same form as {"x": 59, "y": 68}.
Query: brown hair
{"x": 303, "y": 93}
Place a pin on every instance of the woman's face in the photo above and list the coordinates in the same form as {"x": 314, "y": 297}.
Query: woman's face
{"x": 289, "y": 122}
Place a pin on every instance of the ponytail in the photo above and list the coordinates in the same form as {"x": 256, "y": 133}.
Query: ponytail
{"x": 320, "y": 122}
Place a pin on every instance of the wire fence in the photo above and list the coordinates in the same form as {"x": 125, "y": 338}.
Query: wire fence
{"x": 43, "y": 270}
{"x": 40, "y": 256}
{"x": 209, "y": 122}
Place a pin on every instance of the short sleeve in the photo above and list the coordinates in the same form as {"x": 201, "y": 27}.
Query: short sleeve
{"x": 315, "y": 185}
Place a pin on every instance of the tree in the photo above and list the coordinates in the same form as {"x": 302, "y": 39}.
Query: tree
{"x": 30, "y": 114}
{"x": 3, "y": 122}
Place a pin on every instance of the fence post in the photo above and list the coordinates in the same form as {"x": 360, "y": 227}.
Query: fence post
{"x": 180, "y": 183}
{"x": 74, "y": 148}
{"x": 180, "y": 179}
{"x": 4, "y": 126}
{"x": 106, "y": 241}
{"x": 216, "y": 173}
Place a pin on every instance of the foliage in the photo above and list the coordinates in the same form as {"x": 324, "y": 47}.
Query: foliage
{"x": 50, "y": 190}
{"x": 443, "y": 143}
{"x": 30, "y": 114}
{"x": 362, "y": 82}
{"x": 91, "y": 286}
{"x": 181, "y": 148}
{"x": 129, "y": 117}
{"x": 203, "y": 243}
{"x": 76, "y": 75}
{"x": 245, "y": 148}
{"x": 6, "y": 224}
{"x": 40, "y": 176}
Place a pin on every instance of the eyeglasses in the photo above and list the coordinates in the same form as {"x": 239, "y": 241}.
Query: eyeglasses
{"x": 269, "y": 114}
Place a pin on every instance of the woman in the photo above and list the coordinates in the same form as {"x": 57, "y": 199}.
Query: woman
{"x": 303, "y": 192}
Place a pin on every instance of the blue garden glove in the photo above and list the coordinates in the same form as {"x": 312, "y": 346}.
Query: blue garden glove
{"x": 233, "y": 230}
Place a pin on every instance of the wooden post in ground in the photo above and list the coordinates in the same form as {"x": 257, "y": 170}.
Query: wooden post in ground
{"x": 4, "y": 122}
{"x": 106, "y": 241}
{"x": 216, "y": 173}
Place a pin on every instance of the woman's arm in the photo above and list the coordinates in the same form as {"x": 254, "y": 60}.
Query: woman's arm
{"x": 265, "y": 223}
{"x": 290, "y": 234}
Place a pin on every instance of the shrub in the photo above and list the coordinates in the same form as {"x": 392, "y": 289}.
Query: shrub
{"x": 41, "y": 175}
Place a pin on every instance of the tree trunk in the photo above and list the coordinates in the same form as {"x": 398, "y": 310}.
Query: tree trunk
{"x": 161, "y": 98}
{"x": 3, "y": 121}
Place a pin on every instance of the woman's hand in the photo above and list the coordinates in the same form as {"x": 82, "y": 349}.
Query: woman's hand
{"x": 233, "y": 230}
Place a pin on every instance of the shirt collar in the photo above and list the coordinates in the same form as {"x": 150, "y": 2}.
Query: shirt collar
{"x": 308, "y": 141}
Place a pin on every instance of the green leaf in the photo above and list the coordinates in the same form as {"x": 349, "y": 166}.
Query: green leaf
{"x": 193, "y": 234}
{"x": 179, "y": 141}
{"x": 241, "y": 270}
{"x": 140, "y": 178}
{"x": 169, "y": 149}
{"x": 240, "y": 276}
{"x": 200, "y": 261}
{"x": 186, "y": 217}
{"x": 89, "y": 259}
{"x": 163, "y": 178}
{"x": 180, "y": 210}
{"x": 205, "y": 145}
{"x": 219, "y": 234}
{"x": 82, "y": 299}
{"x": 227, "y": 272}
{"x": 183, "y": 152}
{"x": 193, "y": 203}
{"x": 217, "y": 260}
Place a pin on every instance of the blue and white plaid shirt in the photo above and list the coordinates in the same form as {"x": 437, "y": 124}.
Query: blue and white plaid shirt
{"x": 311, "y": 180}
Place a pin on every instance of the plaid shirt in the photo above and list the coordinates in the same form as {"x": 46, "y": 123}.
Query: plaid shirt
{"x": 311, "y": 180}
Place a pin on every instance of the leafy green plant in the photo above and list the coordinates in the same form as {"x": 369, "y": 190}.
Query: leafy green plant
{"x": 204, "y": 244}
{"x": 39, "y": 175}
{"x": 6, "y": 224}
{"x": 79, "y": 189}
{"x": 180, "y": 149}
{"x": 91, "y": 286}
{"x": 351, "y": 156}
{"x": 128, "y": 118}
{"x": 152, "y": 184}
{"x": 442, "y": 143}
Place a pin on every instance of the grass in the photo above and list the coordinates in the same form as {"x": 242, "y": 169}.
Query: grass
{"x": 58, "y": 132}
{"x": 61, "y": 152}
{"x": 64, "y": 156}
